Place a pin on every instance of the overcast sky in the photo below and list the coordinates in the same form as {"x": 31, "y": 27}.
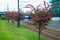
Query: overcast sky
{"x": 12, "y": 4}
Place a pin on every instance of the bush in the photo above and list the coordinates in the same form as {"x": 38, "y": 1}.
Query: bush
{"x": 2, "y": 17}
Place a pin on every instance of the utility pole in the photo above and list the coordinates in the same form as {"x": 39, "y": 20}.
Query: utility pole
{"x": 18, "y": 21}
{"x": 8, "y": 10}
{"x": 7, "y": 7}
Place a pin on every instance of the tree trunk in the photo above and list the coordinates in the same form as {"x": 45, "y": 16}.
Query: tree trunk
{"x": 8, "y": 20}
{"x": 39, "y": 32}
{"x": 18, "y": 22}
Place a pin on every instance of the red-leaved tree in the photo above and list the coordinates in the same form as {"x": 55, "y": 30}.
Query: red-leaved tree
{"x": 40, "y": 17}
{"x": 13, "y": 16}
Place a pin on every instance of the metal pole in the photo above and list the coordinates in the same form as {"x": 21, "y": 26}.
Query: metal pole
{"x": 18, "y": 21}
{"x": 8, "y": 10}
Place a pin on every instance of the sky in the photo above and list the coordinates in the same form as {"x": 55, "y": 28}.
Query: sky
{"x": 12, "y": 4}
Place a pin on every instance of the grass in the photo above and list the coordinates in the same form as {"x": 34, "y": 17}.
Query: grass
{"x": 10, "y": 31}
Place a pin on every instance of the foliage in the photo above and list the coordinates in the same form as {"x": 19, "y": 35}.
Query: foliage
{"x": 41, "y": 18}
{"x": 2, "y": 17}
{"x": 14, "y": 16}
{"x": 55, "y": 6}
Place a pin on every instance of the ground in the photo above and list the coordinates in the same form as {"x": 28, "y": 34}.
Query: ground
{"x": 10, "y": 31}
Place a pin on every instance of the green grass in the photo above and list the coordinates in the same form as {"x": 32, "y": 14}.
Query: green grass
{"x": 9, "y": 31}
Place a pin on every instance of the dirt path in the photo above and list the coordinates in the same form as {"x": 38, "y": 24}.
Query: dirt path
{"x": 51, "y": 35}
{"x": 48, "y": 33}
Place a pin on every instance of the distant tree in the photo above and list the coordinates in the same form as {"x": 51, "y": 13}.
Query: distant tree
{"x": 13, "y": 16}
{"x": 55, "y": 6}
{"x": 7, "y": 16}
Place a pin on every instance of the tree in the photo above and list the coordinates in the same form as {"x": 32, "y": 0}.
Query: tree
{"x": 7, "y": 16}
{"x": 55, "y": 5}
{"x": 40, "y": 17}
{"x": 13, "y": 16}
